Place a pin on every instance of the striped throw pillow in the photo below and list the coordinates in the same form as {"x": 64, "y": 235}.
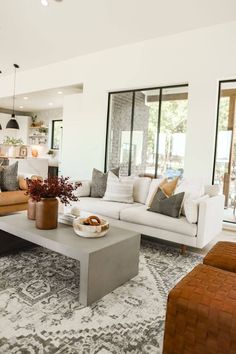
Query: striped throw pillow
{"x": 119, "y": 189}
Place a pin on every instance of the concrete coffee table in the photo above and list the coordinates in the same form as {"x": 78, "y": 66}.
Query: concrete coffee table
{"x": 105, "y": 263}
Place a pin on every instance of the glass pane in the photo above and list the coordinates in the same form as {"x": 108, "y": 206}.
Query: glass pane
{"x": 173, "y": 125}
{"x": 144, "y": 137}
{"x": 119, "y": 131}
{"x": 225, "y": 167}
{"x": 57, "y": 134}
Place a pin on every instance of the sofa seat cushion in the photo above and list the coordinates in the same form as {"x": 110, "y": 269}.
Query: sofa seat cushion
{"x": 140, "y": 215}
{"x": 103, "y": 207}
{"x": 13, "y": 197}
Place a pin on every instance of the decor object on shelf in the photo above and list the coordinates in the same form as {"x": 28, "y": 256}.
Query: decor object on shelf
{"x": 45, "y": 193}
{"x": 8, "y": 140}
{"x": 91, "y": 227}
{"x": 23, "y": 151}
{"x": 51, "y": 152}
{"x": 12, "y": 123}
{"x": 43, "y": 130}
{"x": 33, "y": 120}
{"x": 38, "y": 132}
{"x": 34, "y": 153}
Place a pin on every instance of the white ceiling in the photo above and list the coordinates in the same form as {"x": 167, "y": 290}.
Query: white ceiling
{"x": 40, "y": 100}
{"x": 32, "y": 35}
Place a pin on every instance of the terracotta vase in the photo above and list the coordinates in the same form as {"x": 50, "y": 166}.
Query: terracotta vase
{"x": 31, "y": 210}
{"x": 47, "y": 213}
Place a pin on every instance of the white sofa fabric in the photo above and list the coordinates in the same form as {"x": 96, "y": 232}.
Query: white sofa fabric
{"x": 142, "y": 216}
{"x": 136, "y": 216}
{"x": 103, "y": 207}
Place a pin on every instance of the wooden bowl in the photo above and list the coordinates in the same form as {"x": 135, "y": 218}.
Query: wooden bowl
{"x": 90, "y": 231}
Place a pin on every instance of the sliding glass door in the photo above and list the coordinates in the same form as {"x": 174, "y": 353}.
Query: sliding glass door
{"x": 146, "y": 131}
{"x": 225, "y": 153}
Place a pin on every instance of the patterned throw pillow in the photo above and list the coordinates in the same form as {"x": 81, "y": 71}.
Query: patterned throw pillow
{"x": 119, "y": 189}
{"x": 99, "y": 182}
{"x": 170, "y": 206}
{"x": 8, "y": 178}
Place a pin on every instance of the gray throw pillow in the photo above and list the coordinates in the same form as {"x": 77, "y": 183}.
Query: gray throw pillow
{"x": 170, "y": 206}
{"x": 9, "y": 178}
{"x": 99, "y": 182}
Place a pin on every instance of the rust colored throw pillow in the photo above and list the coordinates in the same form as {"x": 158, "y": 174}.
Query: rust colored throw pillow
{"x": 22, "y": 183}
{"x": 168, "y": 188}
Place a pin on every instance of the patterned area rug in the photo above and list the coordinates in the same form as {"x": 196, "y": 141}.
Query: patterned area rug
{"x": 40, "y": 312}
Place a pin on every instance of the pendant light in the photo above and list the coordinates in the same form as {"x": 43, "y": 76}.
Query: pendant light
{"x": 12, "y": 123}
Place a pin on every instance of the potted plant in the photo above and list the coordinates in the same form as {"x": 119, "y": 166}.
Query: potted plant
{"x": 46, "y": 194}
{"x": 33, "y": 120}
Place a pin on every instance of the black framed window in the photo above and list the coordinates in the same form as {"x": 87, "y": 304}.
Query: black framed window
{"x": 146, "y": 130}
{"x": 224, "y": 169}
{"x": 57, "y": 129}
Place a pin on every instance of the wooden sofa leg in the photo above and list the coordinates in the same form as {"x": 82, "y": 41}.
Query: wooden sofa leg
{"x": 183, "y": 249}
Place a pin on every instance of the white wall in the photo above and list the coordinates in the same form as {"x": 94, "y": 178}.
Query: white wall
{"x": 200, "y": 57}
{"x": 47, "y": 116}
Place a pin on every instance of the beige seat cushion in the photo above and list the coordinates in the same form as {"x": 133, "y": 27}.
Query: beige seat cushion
{"x": 141, "y": 216}
{"x": 103, "y": 207}
{"x": 14, "y": 197}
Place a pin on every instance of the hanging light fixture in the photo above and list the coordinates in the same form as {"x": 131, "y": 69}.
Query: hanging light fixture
{"x": 12, "y": 123}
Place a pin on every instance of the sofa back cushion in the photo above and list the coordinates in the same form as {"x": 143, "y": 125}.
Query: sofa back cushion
{"x": 99, "y": 182}
{"x": 119, "y": 189}
{"x": 141, "y": 188}
{"x": 193, "y": 191}
{"x": 155, "y": 183}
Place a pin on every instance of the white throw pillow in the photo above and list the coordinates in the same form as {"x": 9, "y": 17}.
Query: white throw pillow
{"x": 212, "y": 190}
{"x": 191, "y": 207}
{"x": 119, "y": 189}
{"x": 152, "y": 190}
{"x": 193, "y": 190}
{"x": 196, "y": 189}
{"x": 141, "y": 188}
{"x": 84, "y": 190}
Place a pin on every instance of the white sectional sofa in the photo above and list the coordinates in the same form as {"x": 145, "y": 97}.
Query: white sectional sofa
{"x": 136, "y": 217}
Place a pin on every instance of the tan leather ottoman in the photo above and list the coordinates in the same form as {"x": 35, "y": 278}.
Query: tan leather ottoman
{"x": 223, "y": 256}
{"x": 201, "y": 313}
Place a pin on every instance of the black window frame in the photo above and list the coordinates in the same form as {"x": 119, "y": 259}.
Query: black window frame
{"x": 160, "y": 88}
{"x": 217, "y": 132}
{"x": 52, "y": 136}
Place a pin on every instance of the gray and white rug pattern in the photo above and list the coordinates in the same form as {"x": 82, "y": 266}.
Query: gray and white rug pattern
{"x": 40, "y": 312}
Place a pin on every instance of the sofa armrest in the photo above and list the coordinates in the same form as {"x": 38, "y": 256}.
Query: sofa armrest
{"x": 84, "y": 190}
{"x": 210, "y": 219}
